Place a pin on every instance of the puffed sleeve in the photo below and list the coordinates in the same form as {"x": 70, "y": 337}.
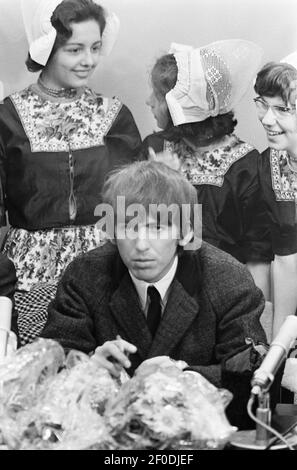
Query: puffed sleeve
{"x": 155, "y": 141}
{"x": 256, "y": 240}
{"x": 123, "y": 138}
{"x": 7, "y": 285}
{"x": 7, "y": 277}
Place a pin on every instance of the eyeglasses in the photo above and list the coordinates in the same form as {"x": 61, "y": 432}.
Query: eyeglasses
{"x": 280, "y": 112}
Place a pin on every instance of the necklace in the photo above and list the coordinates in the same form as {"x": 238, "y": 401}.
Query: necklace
{"x": 61, "y": 93}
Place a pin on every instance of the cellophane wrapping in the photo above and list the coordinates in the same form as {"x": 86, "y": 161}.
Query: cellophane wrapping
{"x": 52, "y": 402}
{"x": 164, "y": 407}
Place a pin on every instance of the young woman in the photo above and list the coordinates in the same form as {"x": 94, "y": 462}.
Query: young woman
{"x": 58, "y": 141}
{"x": 276, "y": 106}
{"x": 193, "y": 95}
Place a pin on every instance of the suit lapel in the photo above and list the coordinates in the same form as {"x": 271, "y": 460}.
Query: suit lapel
{"x": 180, "y": 311}
{"x": 126, "y": 309}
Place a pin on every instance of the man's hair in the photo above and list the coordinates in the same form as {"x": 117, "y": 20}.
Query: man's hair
{"x": 147, "y": 183}
{"x": 277, "y": 79}
{"x": 163, "y": 79}
{"x": 68, "y": 12}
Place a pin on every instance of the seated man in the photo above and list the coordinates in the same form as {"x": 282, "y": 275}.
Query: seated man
{"x": 152, "y": 292}
{"x": 7, "y": 284}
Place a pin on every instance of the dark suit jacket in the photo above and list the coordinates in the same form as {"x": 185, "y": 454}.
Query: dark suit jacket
{"x": 7, "y": 284}
{"x": 212, "y": 307}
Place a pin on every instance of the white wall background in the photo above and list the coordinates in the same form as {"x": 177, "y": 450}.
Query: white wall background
{"x": 147, "y": 29}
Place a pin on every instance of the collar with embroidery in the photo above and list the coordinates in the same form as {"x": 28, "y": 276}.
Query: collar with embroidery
{"x": 283, "y": 178}
{"x": 210, "y": 166}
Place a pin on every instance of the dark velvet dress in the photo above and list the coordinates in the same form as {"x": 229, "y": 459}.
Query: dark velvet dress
{"x": 227, "y": 183}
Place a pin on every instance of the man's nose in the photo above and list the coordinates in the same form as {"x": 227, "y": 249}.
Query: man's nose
{"x": 141, "y": 241}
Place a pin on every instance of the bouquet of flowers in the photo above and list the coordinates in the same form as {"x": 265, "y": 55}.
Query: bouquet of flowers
{"x": 164, "y": 407}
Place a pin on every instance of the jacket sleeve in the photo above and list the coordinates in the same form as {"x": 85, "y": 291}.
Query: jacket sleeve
{"x": 238, "y": 311}
{"x": 69, "y": 319}
{"x": 238, "y": 328}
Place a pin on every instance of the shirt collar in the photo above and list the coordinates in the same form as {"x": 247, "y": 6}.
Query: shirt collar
{"x": 162, "y": 285}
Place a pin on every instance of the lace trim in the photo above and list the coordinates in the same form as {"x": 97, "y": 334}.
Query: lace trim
{"x": 210, "y": 173}
{"x": 280, "y": 176}
{"x": 52, "y": 126}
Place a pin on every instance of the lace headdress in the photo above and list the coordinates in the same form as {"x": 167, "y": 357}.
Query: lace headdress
{"x": 212, "y": 79}
{"x": 41, "y": 34}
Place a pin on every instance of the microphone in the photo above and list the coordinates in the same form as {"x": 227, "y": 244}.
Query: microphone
{"x": 5, "y": 324}
{"x": 278, "y": 351}
{"x": 262, "y": 379}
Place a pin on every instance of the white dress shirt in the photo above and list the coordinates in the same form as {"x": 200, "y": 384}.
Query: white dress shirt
{"x": 163, "y": 287}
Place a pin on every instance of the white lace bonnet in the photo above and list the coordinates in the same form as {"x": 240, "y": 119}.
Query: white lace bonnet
{"x": 41, "y": 34}
{"x": 212, "y": 79}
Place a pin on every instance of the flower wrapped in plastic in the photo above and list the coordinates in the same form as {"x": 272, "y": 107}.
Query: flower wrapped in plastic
{"x": 23, "y": 372}
{"x": 67, "y": 414}
{"x": 164, "y": 407}
{"x": 21, "y": 375}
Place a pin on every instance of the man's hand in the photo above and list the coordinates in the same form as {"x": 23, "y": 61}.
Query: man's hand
{"x": 113, "y": 355}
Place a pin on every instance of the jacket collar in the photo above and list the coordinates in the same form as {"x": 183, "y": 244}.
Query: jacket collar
{"x": 181, "y": 309}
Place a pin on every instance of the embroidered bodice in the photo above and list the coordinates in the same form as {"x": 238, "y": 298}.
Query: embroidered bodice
{"x": 208, "y": 167}
{"x": 56, "y": 153}
{"x": 53, "y": 126}
{"x": 284, "y": 179}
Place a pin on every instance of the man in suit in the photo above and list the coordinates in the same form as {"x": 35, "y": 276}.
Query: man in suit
{"x": 151, "y": 292}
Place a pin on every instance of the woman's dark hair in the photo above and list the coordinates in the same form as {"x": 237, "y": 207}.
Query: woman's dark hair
{"x": 163, "y": 78}
{"x": 70, "y": 11}
{"x": 276, "y": 79}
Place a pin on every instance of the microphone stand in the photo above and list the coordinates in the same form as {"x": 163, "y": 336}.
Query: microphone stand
{"x": 263, "y": 414}
{"x": 259, "y": 438}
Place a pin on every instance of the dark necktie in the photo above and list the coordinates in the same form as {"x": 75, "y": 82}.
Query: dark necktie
{"x": 154, "y": 310}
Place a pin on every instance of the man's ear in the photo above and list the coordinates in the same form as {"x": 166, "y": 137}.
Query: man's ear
{"x": 186, "y": 239}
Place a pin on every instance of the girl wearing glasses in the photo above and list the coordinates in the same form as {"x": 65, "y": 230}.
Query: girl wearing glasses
{"x": 276, "y": 106}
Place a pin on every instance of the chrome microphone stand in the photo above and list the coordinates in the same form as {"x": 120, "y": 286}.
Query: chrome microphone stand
{"x": 263, "y": 414}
